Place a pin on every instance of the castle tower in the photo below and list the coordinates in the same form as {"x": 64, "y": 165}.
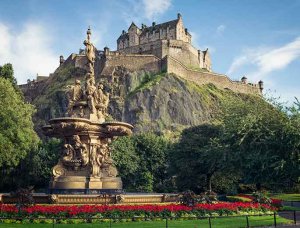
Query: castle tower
{"x": 166, "y": 39}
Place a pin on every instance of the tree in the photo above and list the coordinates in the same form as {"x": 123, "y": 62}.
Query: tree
{"x": 142, "y": 161}
{"x": 7, "y": 72}
{"x": 127, "y": 160}
{"x": 152, "y": 150}
{"x": 35, "y": 169}
{"x": 198, "y": 156}
{"x": 264, "y": 139}
{"x": 17, "y": 136}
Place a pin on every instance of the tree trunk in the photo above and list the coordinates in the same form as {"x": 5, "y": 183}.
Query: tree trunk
{"x": 258, "y": 186}
{"x": 208, "y": 182}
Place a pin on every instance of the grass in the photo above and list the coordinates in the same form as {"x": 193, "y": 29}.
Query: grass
{"x": 148, "y": 82}
{"x": 290, "y": 208}
{"x": 238, "y": 199}
{"x": 287, "y": 197}
{"x": 216, "y": 223}
{"x": 196, "y": 68}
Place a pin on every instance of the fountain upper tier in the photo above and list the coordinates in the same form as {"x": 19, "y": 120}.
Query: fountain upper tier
{"x": 68, "y": 126}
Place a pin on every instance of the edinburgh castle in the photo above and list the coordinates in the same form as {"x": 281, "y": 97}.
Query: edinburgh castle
{"x": 165, "y": 47}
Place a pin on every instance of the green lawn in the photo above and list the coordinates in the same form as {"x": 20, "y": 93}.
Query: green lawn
{"x": 216, "y": 223}
{"x": 290, "y": 208}
{"x": 287, "y": 197}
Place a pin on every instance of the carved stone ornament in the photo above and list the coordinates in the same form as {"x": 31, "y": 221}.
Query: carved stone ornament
{"x": 85, "y": 162}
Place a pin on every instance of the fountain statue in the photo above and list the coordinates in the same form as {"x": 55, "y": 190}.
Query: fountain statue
{"x": 85, "y": 165}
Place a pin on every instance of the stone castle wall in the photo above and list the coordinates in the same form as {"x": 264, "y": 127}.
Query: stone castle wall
{"x": 132, "y": 62}
{"x": 219, "y": 80}
{"x": 32, "y": 89}
{"x": 178, "y": 49}
{"x": 106, "y": 64}
{"x": 182, "y": 51}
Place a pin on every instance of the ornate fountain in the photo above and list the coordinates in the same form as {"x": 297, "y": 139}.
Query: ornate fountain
{"x": 85, "y": 165}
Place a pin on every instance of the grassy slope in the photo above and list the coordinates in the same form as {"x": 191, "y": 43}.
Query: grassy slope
{"x": 216, "y": 223}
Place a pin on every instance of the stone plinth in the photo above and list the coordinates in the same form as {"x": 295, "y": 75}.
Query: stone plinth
{"x": 86, "y": 165}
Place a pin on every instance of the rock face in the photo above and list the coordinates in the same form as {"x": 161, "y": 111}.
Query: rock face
{"x": 169, "y": 104}
{"x": 149, "y": 102}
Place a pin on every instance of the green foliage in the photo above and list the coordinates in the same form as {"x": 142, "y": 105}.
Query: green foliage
{"x": 290, "y": 208}
{"x": 226, "y": 182}
{"x": 34, "y": 169}
{"x": 261, "y": 197}
{"x": 142, "y": 162}
{"x": 39, "y": 163}
{"x": 126, "y": 159}
{"x": 7, "y": 72}
{"x": 287, "y": 197}
{"x": 147, "y": 82}
{"x": 17, "y": 136}
{"x": 264, "y": 140}
{"x": 197, "y": 157}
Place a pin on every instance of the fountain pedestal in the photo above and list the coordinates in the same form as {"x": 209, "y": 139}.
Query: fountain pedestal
{"x": 86, "y": 165}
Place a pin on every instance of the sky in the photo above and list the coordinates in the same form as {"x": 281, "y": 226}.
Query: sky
{"x": 259, "y": 39}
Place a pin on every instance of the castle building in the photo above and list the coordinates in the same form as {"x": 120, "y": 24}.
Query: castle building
{"x": 165, "y": 47}
{"x": 167, "y": 39}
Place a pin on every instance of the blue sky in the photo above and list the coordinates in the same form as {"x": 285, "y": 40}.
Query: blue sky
{"x": 256, "y": 38}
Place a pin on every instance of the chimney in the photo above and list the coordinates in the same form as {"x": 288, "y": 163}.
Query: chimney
{"x": 261, "y": 85}
{"x": 106, "y": 50}
{"x": 61, "y": 60}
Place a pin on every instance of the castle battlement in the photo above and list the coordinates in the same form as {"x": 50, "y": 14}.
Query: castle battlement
{"x": 165, "y": 47}
{"x": 169, "y": 38}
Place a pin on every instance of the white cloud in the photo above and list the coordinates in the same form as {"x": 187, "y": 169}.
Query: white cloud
{"x": 28, "y": 50}
{"x": 220, "y": 29}
{"x": 266, "y": 60}
{"x": 196, "y": 43}
{"x": 143, "y": 11}
{"x": 153, "y": 8}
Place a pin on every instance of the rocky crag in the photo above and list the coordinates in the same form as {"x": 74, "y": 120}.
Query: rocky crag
{"x": 150, "y": 102}
{"x": 154, "y": 90}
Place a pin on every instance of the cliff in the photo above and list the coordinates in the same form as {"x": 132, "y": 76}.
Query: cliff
{"x": 150, "y": 102}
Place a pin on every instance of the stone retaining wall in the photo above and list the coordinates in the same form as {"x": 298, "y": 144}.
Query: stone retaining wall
{"x": 219, "y": 80}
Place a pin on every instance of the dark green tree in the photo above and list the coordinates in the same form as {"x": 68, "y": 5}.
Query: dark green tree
{"x": 34, "y": 170}
{"x": 198, "y": 156}
{"x": 7, "y": 72}
{"x": 126, "y": 160}
{"x": 17, "y": 136}
{"x": 264, "y": 139}
{"x": 142, "y": 161}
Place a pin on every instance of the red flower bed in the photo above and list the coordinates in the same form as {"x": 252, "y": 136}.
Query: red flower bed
{"x": 274, "y": 202}
{"x": 129, "y": 211}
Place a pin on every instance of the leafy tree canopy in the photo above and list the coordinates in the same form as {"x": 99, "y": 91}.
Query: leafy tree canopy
{"x": 17, "y": 135}
{"x": 198, "y": 156}
{"x": 7, "y": 72}
{"x": 265, "y": 141}
{"x": 142, "y": 161}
